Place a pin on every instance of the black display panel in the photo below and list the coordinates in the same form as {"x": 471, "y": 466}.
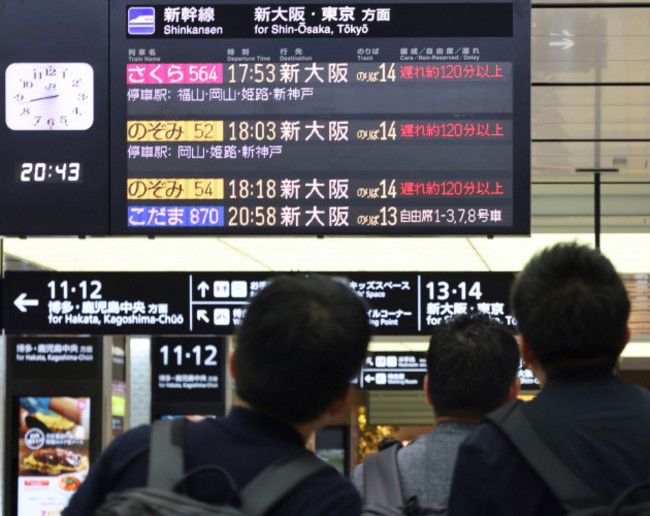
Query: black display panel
{"x": 96, "y": 303}
{"x": 235, "y": 118}
{"x": 54, "y": 357}
{"x": 188, "y": 376}
{"x": 405, "y": 370}
{"x": 333, "y": 446}
{"x": 527, "y": 380}
{"x": 44, "y": 485}
{"x": 53, "y": 420}
{"x": 393, "y": 370}
{"x": 320, "y": 118}
{"x": 445, "y": 294}
{"x": 124, "y": 303}
{"x": 54, "y": 97}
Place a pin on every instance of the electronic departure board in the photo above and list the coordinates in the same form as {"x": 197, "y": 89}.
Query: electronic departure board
{"x": 245, "y": 118}
{"x": 320, "y": 117}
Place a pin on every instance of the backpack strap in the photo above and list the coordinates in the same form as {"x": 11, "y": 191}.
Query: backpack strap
{"x": 567, "y": 486}
{"x": 166, "y": 454}
{"x": 167, "y": 468}
{"x": 381, "y": 478}
{"x": 278, "y": 479}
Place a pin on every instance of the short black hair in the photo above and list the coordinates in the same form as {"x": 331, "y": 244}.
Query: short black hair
{"x": 472, "y": 362}
{"x": 572, "y": 309}
{"x": 301, "y": 342}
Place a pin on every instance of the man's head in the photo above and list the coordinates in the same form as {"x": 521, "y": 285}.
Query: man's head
{"x": 572, "y": 309}
{"x": 472, "y": 366}
{"x": 301, "y": 342}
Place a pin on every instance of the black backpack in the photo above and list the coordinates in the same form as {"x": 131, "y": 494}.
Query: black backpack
{"x": 382, "y": 491}
{"x": 577, "y": 497}
{"x": 163, "y": 495}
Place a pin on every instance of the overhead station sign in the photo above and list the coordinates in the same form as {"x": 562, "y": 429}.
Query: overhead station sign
{"x": 393, "y": 370}
{"x": 405, "y": 370}
{"x": 399, "y": 303}
{"x": 95, "y": 303}
{"x": 188, "y": 376}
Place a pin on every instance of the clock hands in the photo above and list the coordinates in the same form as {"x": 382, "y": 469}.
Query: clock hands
{"x": 40, "y": 98}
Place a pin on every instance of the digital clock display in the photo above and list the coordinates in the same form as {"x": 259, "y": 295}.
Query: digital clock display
{"x": 48, "y": 172}
{"x": 311, "y": 118}
{"x": 54, "y": 121}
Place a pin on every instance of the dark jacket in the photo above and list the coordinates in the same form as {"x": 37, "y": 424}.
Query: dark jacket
{"x": 243, "y": 443}
{"x": 599, "y": 424}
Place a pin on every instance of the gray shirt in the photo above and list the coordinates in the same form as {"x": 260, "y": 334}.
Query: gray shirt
{"x": 426, "y": 465}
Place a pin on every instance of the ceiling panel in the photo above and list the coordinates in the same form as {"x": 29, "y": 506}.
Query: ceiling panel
{"x": 587, "y": 3}
{"x": 633, "y": 114}
{"x": 559, "y": 160}
{"x": 574, "y": 44}
{"x": 624, "y": 96}
{"x": 129, "y": 254}
{"x": 631, "y": 252}
{"x": 590, "y": 130}
{"x": 351, "y": 253}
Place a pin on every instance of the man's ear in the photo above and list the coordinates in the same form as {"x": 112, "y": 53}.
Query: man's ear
{"x": 627, "y": 339}
{"x": 527, "y": 355}
{"x": 530, "y": 360}
{"x": 515, "y": 386}
{"x": 233, "y": 366}
{"x": 426, "y": 390}
{"x": 338, "y": 405}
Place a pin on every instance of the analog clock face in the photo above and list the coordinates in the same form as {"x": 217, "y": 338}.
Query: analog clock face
{"x": 49, "y": 96}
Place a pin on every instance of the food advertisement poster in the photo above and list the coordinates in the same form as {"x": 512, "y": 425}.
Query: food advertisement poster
{"x": 53, "y": 452}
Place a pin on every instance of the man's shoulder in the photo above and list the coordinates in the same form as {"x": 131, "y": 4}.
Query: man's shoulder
{"x": 486, "y": 431}
{"x": 120, "y": 466}
{"x": 326, "y": 493}
{"x": 489, "y": 443}
{"x": 127, "y": 447}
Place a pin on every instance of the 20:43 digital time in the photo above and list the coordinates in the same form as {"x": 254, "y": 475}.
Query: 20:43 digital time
{"x": 46, "y": 172}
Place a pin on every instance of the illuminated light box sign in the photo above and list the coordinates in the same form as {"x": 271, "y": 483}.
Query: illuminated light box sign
{"x": 393, "y": 371}
{"x": 215, "y": 303}
{"x": 53, "y": 432}
{"x": 96, "y": 303}
{"x": 53, "y": 452}
{"x": 403, "y": 303}
{"x": 527, "y": 380}
{"x": 188, "y": 375}
{"x": 54, "y": 357}
{"x": 312, "y": 118}
{"x": 397, "y": 370}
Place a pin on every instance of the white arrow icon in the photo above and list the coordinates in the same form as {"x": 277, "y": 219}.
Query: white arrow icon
{"x": 202, "y": 315}
{"x": 566, "y": 43}
{"x": 369, "y": 378}
{"x": 203, "y": 287}
{"x": 21, "y": 303}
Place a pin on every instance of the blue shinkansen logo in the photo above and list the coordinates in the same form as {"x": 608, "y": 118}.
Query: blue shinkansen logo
{"x": 142, "y": 21}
